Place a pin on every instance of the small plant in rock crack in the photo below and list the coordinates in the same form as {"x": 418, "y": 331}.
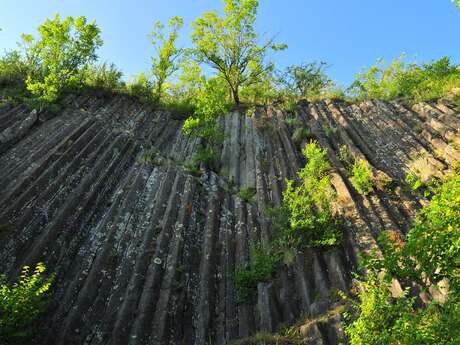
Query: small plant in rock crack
{"x": 300, "y": 134}
{"x": 192, "y": 168}
{"x": 22, "y": 304}
{"x": 246, "y": 194}
{"x": 293, "y": 121}
{"x": 417, "y": 185}
{"x": 362, "y": 177}
{"x": 151, "y": 157}
{"x": 328, "y": 130}
{"x": 205, "y": 155}
{"x": 346, "y": 157}
{"x": 262, "y": 266}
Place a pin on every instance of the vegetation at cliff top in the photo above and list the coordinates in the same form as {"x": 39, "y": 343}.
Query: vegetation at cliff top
{"x": 63, "y": 59}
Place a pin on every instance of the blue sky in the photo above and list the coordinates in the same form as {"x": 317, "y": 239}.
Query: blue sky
{"x": 349, "y": 34}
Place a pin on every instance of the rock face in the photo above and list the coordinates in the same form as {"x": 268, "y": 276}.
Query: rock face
{"x": 145, "y": 252}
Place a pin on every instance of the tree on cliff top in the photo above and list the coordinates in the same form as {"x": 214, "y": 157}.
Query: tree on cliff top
{"x": 230, "y": 44}
{"x": 166, "y": 62}
{"x": 63, "y": 48}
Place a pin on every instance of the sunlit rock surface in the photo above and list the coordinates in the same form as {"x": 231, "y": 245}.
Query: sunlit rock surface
{"x": 145, "y": 252}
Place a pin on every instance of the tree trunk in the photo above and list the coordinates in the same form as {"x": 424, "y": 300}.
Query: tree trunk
{"x": 236, "y": 96}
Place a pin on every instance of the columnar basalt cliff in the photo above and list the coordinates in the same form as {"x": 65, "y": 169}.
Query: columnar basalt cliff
{"x": 145, "y": 251}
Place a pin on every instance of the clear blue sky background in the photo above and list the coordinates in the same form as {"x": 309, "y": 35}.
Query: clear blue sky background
{"x": 348, "y": 34}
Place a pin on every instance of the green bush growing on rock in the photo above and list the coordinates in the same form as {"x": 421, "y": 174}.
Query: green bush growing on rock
{"x": 261, "y": 267}
{"x": 410, "y": 81}
{"x": 309, "y": 203}
{"x": 428, "y": 255}
{"x": 362, "y": 177}
{"x": 246, "y": 194}
{"x": 307, "y": 80}
{"x": 209, "y": 105}
{"x": 22, "y": 304}
{"x": 103, "y": 77}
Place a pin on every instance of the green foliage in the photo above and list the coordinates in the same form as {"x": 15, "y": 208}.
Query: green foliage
{"x": 300, "y": 134}
{"x": 328, "y": 130}
{"x": 377, "y": 312}
{"x": 140, "y": 87}
{"x": 309, "y": 204}
{"x": 246, "y": 194}
{"x": 13, "y": 70}
{"x": 103, "y": 77}
{"x": 437, "y": 231}
{"x": 209, "y": 104}
{"x": 304, "y": 219}
{"x": 426, "y": 188}
{"x": 261, "y": 268}
{"x": 63, "y": 48}
{"x": 229, "y": 44}
{"x": 166, "y": 61}
{"x": 410, "y": 81}
{"x": 362, "y": 177}
{"x": 346, "y": 156}
{"x": 307, "y": 80}
{"x": 205, "y": 156}
{"x": 22, "y": 304}
{"x": 429, "y": 254}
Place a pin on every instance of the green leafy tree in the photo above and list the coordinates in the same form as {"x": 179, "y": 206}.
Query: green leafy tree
{"x": 307, "y": 80}
{"x": 62, "y": 49}
{"x": 229, "y": 44}
{"x": 22, "y": 304}
{"x": 165, "y": 63}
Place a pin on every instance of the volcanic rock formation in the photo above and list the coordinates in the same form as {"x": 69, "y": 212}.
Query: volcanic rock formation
{"x": 145, "y": 250}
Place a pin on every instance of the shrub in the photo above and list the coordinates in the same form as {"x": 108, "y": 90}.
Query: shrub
{"x": 300, "y": 134}
{"x": 246, "y": 194}
{"x": 346, "y": 156}
{"x": 429, "y": 254}
{"x": 261, "y": 268}
{"x": 140, "y": 87}
{"x": 105, "y": 77}
{"x": 410, "y": 81}
{"x": 362, "y": 177}
{"x": 22, "y": 304}
{"x": 13, "y": 70}
{"x": 309, "y": 204}
{"x": 210, "y": 104}
{"x": 165, "y": 63}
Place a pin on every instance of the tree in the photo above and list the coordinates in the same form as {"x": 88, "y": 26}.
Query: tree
{"x": 63, "y": 48}
{"x": 306, "y": 80}
{"x": 229, "y": 44}
{"x": 166, "y": 61}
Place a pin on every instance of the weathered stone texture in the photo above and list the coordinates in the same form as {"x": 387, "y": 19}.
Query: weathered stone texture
{"x": 144, "y": 252}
